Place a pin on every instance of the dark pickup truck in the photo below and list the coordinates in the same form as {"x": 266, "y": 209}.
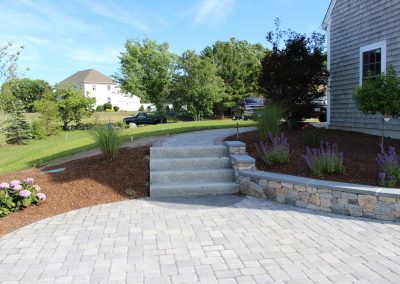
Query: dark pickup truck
{"x": 245, "y": 108}
{"x": 145, "y": 118}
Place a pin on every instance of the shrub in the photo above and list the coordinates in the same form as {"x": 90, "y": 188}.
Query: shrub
{"x": 148, "y": 108}
{"x": 141, "y": 108}
{"x": 107, "y": 138}
{"x": 167, "y": 108}
{"x": 116, "y": 108}
{"x": 325, "y": 159}
{"x": 389, "y": 165}
{"x": 109, "y": 110}
{"x": 276, "y": 153}
{"x": 107, "y": 106}
{"x": 312, "y": 136}
{"x": 100, "y": 108}
{"x": 38, "y": 130}
{"x": 16, "y": 195}
{"x": 268, "y": 120}
{"x": 19, "y": 129}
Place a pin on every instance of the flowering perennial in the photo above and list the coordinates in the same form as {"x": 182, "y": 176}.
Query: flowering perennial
{"x": 325, "y": 159}
{"x": 389, "y": 166}
{"x": 17, "y": 195}
{"x": 277, "y": 152}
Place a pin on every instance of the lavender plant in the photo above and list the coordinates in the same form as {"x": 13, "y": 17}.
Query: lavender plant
{"x": 274, "y": 151}
{"x": 389, "y": 165}
{"x": 325, "y": 159}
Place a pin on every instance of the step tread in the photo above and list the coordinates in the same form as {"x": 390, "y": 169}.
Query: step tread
{"x": 225, "y": 170}
{"x": 193, "y": 184}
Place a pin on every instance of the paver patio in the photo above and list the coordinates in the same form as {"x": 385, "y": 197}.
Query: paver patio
{"x": 214, "y": 239}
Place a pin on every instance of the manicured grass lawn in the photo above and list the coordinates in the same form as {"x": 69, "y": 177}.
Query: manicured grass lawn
{"x": 38, "y": 152}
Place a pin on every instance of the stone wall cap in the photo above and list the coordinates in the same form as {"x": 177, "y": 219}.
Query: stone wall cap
{"x": 333, "y": 185}
{"x": 234, "y": 144}
{"x": 243, "y": 158}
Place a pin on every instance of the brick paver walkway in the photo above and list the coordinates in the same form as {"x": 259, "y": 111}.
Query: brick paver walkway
{"x": 225, "y": 239}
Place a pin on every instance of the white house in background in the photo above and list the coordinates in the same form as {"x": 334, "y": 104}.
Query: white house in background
{"x": 103, "y": 88}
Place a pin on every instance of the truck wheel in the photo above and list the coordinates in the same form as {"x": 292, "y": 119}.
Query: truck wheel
{"x": 322, "y": 117}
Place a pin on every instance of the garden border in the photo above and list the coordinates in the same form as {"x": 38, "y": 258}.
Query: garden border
{"x": 329, "y": 196}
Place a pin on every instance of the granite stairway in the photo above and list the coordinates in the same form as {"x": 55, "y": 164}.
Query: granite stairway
{"x": 190, "y": 171}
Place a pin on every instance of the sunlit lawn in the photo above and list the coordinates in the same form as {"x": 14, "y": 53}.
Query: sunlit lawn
{"x": 38, "y": 152}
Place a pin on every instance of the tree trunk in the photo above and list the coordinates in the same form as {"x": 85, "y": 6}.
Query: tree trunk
{"x": 65, "y": 126}
{"x": 382, "y": 129}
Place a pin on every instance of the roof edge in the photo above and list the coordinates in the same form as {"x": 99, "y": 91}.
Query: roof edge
{"x": 327, "y": 17}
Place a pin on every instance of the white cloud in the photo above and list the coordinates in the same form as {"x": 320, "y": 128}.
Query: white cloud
{"x": 213, "y": 11}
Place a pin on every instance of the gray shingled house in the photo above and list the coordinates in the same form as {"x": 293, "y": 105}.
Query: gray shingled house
{"x": 362, "y": 36}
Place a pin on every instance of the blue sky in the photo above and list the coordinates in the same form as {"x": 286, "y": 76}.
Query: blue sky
{"x": 62, "y": 37}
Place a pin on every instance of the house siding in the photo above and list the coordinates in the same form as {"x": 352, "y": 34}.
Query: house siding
{"x": 353, "y": 24}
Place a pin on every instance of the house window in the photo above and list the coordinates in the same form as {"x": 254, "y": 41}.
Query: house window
{"x": 94, "y": 87}
{"x": 372, "y": 60}
{"x": 108, "y": 87}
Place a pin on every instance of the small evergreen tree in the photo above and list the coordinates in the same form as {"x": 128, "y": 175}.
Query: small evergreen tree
{"x": 19, "y": 129}
{"x": 141, "y": 108}
{"x": 49, "y": 116}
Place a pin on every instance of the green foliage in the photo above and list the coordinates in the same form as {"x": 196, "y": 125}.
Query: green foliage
{"x": 25, "y": 90}
{"x": 18, "y": 195}
{"x": 100, "y": 108}
{"x": 107, "y": 106}
{"x": 294, "y": 74}
{"x": 8, "y": 71}
{"x": 312, "y": 136}
{"x": 38, "y": 130}
{"x": 116, "y": 108}
{"x": 380, "y": 94}
{"x": 141, "y": 108}
{"x": 146, "y": 70}
{"x": 148, "y": 108}
{"x": 18, "y": 129}
{"x": 238, "y": 65}
{"x": 196, "y": 85}
{"x": 107, "y": 139}
{"x": 269, "y": 119}
{"x": 49, "y": 118}
{"x": 72, "y": 105}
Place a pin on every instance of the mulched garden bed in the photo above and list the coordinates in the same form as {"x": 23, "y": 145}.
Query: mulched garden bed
{"x": 359, "y": 150}
{"x": 85, "y": 182}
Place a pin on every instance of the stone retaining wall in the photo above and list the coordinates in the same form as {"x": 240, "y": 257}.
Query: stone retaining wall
{"x": 342, "y": 198}
{"x": 337, "y": 197}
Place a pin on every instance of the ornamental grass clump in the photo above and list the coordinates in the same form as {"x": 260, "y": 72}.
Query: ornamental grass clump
{"x": 274, "y": 151}
{"x": 269, "y": 119}
{"x": 107, "y": 138}
{"x": 389, "y": 165}
{"x": 16, "y": 195}
{"x": 324, "y": 160}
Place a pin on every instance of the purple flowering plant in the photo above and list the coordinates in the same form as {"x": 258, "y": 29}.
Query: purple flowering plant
{"x": 324, "y": 159}
{"x": 275, "y": 150}
{"x": 389, "y": 166}
{"x": 16, "y": 195}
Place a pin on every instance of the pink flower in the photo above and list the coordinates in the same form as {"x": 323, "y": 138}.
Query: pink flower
{"x": 15, "y": 182}
{"x": 17, "y": 187}
{"x": 29, "y": 180}
{"x": 24, "y": 193}
{"x": 41, "y": 196}
{"x": 4, "y": 185}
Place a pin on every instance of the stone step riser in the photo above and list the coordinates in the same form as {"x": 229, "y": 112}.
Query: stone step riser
{"x": 188, "y": 152}
{"x": 189, "y": 163}
{"x": 204, "y": 176}
{"x": 170, "y": 190}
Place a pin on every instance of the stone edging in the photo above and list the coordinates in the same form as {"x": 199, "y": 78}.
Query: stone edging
{"x": 337, "y": 197}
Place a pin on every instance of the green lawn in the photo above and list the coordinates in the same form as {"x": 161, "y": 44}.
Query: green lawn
{"x": 38, "y": 152}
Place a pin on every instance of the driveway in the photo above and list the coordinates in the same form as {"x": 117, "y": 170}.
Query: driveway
{"x": 223, "y": 239}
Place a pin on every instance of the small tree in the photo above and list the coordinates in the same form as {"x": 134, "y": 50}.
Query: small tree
{"x": 19, "y": 129}
{"x": 47, "y": 106}
{"x": 380, "y": 94}
{"x": 141, "y": 108}
{"x": 293, "y": 75}
{"x": 72, "y": 105}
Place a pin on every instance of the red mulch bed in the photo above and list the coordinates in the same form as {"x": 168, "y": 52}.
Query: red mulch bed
{"x": 359, "y": 150}
{"x": 85, "y": 182}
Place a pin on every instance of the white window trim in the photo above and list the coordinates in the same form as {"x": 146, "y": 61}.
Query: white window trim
{"x": 382, "y": 46}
